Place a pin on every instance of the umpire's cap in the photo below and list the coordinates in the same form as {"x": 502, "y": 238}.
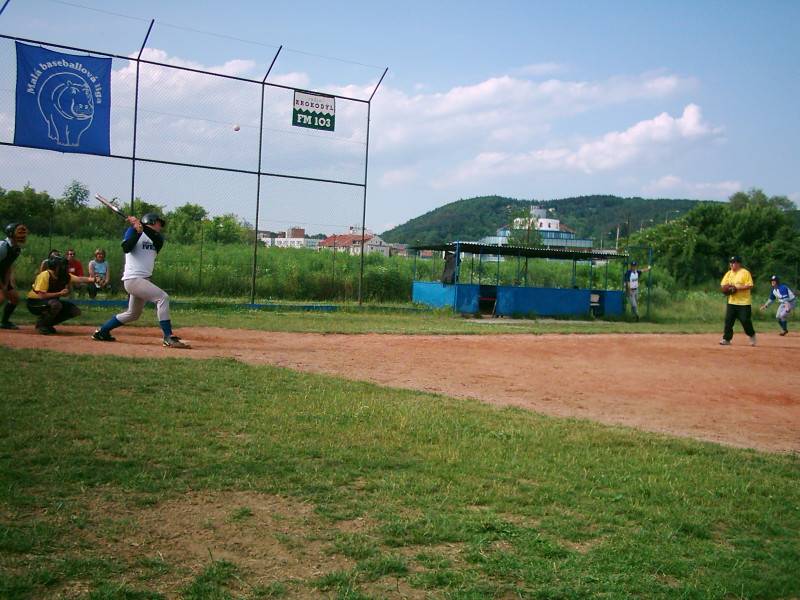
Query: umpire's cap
{"x": 152, "y": 219}
{"x": 735, "y": 259}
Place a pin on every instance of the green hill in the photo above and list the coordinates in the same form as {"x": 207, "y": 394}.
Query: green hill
{"x": 590, "y": 216}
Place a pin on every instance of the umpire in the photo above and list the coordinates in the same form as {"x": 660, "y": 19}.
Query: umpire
{"x": 10, "y": 249}
{"x": 736, "y": 285}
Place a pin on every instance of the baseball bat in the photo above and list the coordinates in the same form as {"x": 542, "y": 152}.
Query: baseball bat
{"x": 111, "y": 206}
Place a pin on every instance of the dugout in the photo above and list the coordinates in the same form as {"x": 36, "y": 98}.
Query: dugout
{"x": 485, "y": 293}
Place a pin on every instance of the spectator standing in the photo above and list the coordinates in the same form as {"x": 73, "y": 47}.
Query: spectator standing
{"x": 631, "y": 279}
{"x": 736, "y": 285}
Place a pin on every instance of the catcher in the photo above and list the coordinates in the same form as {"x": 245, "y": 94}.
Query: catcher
{"x": 736, "y": 285}
{"x": 46, "y": 298}
{"x": 786, "y": 302}
{"x": 10, "y": 249}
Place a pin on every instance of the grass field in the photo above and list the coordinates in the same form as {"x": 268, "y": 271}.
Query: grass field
{"x": 161, "y": 479}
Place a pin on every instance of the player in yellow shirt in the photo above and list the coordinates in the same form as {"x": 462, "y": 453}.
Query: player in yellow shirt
{"x": 736, "y": 285}
{"x": 45, "y": 298}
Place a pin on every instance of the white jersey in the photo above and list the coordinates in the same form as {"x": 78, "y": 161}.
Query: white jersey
{"x": 140, "y": 261}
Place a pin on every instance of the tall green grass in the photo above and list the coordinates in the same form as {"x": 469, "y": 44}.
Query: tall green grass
{"x": 307, "y": 275}
{"x": 293, "y": 274}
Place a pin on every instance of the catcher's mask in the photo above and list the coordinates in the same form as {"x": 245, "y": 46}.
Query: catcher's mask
{"x": 57, "y": 264}
{"x": 17, "y": 233}
{"x": 152, "y": 219}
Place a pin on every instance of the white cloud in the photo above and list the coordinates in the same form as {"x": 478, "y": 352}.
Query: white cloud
{"x": 488, "y": 110}
{"x": 716, "y": 190}
{"x": 645, "y": 139}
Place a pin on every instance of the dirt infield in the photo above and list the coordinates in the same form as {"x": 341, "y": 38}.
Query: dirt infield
{"x": 685, "y": 385}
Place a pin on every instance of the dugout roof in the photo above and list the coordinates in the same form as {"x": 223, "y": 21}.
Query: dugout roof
{"x": 535, "y": 252}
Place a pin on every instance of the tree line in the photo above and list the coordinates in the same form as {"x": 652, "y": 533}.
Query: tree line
{"x": 761, "y": 229}
{"x": 72, "y": 216}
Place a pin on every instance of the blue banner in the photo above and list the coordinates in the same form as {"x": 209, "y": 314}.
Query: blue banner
{"x": 63, "y": 101}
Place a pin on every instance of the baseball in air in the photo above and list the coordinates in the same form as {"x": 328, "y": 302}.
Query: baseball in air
{"x": 236, "y": 127}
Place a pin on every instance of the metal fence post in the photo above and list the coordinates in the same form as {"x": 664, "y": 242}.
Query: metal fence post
{"x": 364, "y": 206}
{"x": 136, "y": 117}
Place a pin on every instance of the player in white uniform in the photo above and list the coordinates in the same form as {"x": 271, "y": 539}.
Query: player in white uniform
{"x": 631, "y": 280}
{"x": 141, "y": 244}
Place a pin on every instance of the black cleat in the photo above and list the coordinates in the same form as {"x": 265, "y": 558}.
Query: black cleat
{"x": 103, "y": 336}
{"x": 174, "y": 341}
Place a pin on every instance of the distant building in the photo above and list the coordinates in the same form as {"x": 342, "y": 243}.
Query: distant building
{"x": 553, "y": 233}
{"x": 398, "y": 250}
{"x": 351, "y": 242}
{"x": 294, "y": 237}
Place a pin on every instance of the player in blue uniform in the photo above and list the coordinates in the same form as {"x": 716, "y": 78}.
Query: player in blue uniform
{"x": 142, "y": 243}
{"x": 786, "y": 299}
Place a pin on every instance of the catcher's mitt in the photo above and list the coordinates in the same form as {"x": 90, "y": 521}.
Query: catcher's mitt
{"x": 729, "y": 289}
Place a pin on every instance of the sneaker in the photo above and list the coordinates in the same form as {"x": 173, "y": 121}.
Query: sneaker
{"x": 103, "y": 336}
{"x": 47, "y": 330}
{"x": 8, "y": 325}
{"x": 724, "y": 342}
{"x": 174, "y": 341}
{"x": 784, "y": 332}
{"x": 753, "y": 340}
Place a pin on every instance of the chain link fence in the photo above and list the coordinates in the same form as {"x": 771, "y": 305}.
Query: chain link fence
{"x": 205, "y": 119}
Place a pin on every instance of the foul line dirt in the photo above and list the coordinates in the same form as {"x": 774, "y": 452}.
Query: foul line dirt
{"x": 684, "y": 385}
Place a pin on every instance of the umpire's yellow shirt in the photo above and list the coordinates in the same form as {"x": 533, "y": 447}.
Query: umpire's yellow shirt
{"x": 740, "y": 277}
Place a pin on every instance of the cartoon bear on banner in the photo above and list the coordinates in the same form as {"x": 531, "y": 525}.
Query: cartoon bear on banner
{"x": 63, "y": 101}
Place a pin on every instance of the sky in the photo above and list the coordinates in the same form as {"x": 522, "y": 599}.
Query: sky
{"x": 531, "y": 100}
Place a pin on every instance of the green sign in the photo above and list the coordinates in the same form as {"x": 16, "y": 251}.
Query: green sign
{"x": 314, "y": 111}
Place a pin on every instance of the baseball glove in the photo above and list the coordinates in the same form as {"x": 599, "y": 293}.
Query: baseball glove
{"x": 729, "y": 289}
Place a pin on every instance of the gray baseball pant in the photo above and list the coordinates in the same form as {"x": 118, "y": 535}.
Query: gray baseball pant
{"x": 142, "y": 291}
{"x": 633, "y": 297}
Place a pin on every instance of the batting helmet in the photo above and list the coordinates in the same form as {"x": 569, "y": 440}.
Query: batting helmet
{"x": 775, "y": 279}
{"x": 152, "y": 219}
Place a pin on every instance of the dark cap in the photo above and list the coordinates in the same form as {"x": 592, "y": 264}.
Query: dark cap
{"x": 735, "y": 259}
{"x": 634, "y": 263}
{"x": 774, "y": 278}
